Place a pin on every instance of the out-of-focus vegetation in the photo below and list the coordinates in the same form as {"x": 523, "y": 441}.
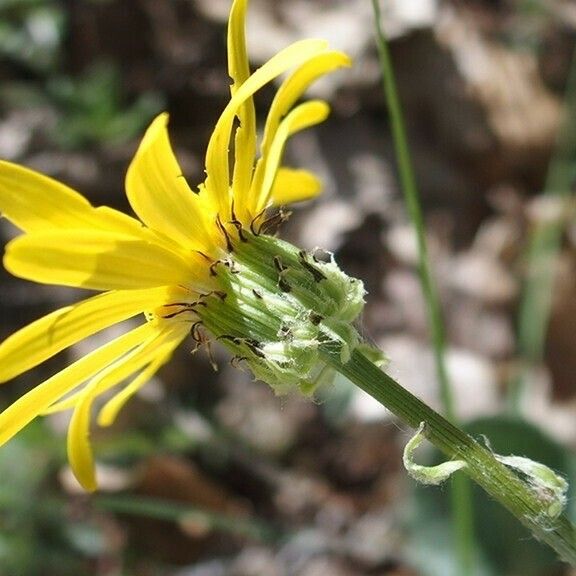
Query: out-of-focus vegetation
{"x": 89, "y": 108}
{"x": 208, "y": 473}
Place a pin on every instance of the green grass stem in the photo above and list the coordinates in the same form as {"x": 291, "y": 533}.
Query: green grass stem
{"x": 543, "y": 246}
{"x": 461, "y": 491}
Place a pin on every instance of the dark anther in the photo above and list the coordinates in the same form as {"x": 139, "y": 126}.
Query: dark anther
{"x": 315, "y": 318}
{"x": 284, "y": 331}
{"x": 234, "y": 339}
{"x": 203, "y": 339}
{"x": 213, "y": 267}
{"x": 205, "y": 256}
{"x": 235, "y": 361}
{"x": 273, "y": 223}
{"x": 253, "y": 342}
{"x": 203, "y": 297}
{"x": 279, "y": 265}
{"x": 254, "y": 346}
{"x": 283, "y": 285}
{"x": 174, "y": 314}
{"x": 227, "y": 264}
{"x": 231, "y": 265}
{"x": 184, "y": 307}
{"x": 222, "y": 229}
{"x": 237, "y": 224}
{"x": 257, "y": 294}
{"x": 253, "y": 222}
{"x": 318, "y": 276}
{"x": 195, "y": 332}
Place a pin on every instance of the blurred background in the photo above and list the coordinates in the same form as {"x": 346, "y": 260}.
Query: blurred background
{"x": 208, "y": 473}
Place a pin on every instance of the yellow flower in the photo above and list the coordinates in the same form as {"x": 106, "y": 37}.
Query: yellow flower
{"x": 164, "y": 265}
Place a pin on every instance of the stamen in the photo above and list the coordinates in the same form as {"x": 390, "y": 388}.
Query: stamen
{"x": 195, "y": 332}
{"x": 237, "y": 224}
{"x": 218, "y": 293}
{"x": 253, "y": 345}
{"x": 239, "y": 228}
{"x": 315, "y": 318}
{"x": 201, "y": 338}
{"x": 235, "y": 362}
{"x": 213, "y": 267}
{"x": 234, "y": 339}
{"x": 222, "y": 228}
{"x": 272, "y": 224}
{"x": 279, "y": 265}
{"x": 317, "y": 274}
{"x": 284, "y": 331}
{"x": 254, "y": 220}
{"x": 185, "y": 307}
{"x": 205, "y": 256}
{"x": 283, "y": 285}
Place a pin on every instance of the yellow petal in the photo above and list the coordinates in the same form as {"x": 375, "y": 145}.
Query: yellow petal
{"x": 159, "y": 194}
{"x": 26, "y": 408}
{"x": 295, "y": 85}
{"x": 169, "y": 334}
{"x": 49, "y": 335}
{"x": 110, "y": 410}
{"x": 80, "y": 452}
{"x": 218, "y": 179}
{"x": 238, "y": 66}
{"x": 303, "y": 116}
{"x": 96, "y": 260}
{"x": 35, "y": 202}
{"x": 294, "y": 186}
{"x": 239, "y": 71}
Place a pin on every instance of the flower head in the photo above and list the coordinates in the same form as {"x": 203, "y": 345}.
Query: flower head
{"x": 196, "y": 261}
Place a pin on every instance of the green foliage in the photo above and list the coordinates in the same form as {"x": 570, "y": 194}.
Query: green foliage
{"x": 31, "y": 33}
{"x": 38, "y": 535}
{"x": 92, "y": 108}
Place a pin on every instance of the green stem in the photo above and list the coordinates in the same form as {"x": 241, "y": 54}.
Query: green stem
{"x": 498, "y": 480}
{"x": 543, "y": 247}
{"x": 460, "y": 494}
{"x": 411, "y": 196}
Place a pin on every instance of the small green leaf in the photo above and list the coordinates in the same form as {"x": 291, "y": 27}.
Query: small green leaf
{"x": 433, "y": 475}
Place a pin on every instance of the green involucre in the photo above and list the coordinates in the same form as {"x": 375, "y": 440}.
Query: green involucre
{"x": 277, "y": 305}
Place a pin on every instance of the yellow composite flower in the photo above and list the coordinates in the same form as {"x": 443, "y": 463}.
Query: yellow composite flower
{"x": 163, "y": 264}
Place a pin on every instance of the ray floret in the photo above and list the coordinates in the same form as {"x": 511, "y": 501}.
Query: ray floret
{"x": 193, "y": 260}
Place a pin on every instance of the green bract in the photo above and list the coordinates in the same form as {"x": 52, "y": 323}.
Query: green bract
{"x": 275, "y": 307}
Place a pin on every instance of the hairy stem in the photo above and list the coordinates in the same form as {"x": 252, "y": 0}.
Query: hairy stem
{"x": 503, "y": 484}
